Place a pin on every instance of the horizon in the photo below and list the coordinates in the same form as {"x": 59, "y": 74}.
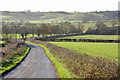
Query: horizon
{"x": 62, "y": 5}
{"x": 58, "y": 11}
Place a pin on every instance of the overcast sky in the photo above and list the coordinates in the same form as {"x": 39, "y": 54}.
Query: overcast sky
{"x": 58, "y": 5}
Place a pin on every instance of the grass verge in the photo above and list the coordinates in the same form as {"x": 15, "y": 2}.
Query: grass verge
{"x": 13, "y": 61}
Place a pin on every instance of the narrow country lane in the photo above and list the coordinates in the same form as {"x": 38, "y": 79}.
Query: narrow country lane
{"x": 36, "y": 65}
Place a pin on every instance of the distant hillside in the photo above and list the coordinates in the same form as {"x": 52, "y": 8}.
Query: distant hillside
{"x": 60, "y": 16}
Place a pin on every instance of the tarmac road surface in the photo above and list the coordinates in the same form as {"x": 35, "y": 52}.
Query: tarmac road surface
{"x": 36, "y": 65}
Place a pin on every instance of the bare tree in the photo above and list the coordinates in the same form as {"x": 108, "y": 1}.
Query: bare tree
{"x": 45, "y": 29}
{"x": 38, "y": 30}
{"x": 5, "y": 31}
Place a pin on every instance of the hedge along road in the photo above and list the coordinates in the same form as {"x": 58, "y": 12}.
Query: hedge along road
{"x": 36, "y": 65}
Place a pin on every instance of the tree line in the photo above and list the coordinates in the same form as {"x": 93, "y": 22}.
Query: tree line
{"x": 10, "y": 29}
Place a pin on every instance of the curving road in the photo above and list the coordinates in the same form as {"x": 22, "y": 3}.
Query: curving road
{"x": 36, "y": 65}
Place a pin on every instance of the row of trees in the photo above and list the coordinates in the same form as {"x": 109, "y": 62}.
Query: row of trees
{"x": 11, "y": 29}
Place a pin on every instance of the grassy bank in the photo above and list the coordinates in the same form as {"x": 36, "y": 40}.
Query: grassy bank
{"x": 62, "y": 70}
{"x": 105, "y": 50}
{"x": 13, "y": 61}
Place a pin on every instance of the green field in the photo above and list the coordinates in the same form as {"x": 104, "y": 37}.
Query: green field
{"x": 105, "y": 50}
{"x": 18, "y": 36}
{"x": 100, "y": 37}
{"x": 4, "y": 17}
{"x": 2, "y": 41}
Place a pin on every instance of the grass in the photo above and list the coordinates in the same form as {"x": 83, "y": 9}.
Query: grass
{"x": 62, "y": 70}
{"x": 39, "y": 21}
{"x": 100, "y": 37}
{"x": 105, "y": 50}
{"x": 5, "y": 17}
{"x": 90, "y": 25}
{"x": 13, "y": 61}
{"x": 2, "y": 41}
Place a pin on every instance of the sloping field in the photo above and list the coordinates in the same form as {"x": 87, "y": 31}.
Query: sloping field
{"x": 105, "y": 50}
{"x": 100, "y": 37}
{"x": 2, "y": 41}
